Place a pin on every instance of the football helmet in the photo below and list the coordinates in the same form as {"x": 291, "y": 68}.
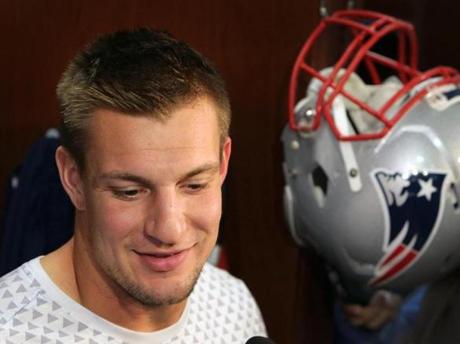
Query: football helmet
{"x": 372, "y": 157}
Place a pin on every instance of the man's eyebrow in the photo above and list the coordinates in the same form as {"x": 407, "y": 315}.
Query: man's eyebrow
{"x": 205, "y": 168}
{"x": 124, "y": 176}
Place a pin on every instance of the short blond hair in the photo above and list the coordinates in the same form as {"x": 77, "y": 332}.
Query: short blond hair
{"x": 135, "y": 72}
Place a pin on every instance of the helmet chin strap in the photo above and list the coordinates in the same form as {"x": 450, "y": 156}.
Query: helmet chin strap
{"x": 346, "y": 147}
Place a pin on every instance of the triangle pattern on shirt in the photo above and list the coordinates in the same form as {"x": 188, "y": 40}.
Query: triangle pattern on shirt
{"x": 220, "y": 310}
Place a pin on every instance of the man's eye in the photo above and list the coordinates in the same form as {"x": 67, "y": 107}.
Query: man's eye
{"x": 127, "y": 194}
{"x": 196, "y": 186}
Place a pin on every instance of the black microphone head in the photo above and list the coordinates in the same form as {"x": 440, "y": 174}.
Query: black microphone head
{"x": 259, "y": 340}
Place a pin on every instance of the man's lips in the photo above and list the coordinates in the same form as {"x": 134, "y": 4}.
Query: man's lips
{"x": 163, "y": 261}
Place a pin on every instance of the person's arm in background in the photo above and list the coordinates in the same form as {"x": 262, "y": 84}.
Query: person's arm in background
{"x": 382, "y": 308}
{"x": 385, "y": 319}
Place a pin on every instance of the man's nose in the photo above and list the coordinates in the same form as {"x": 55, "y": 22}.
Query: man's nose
{"x": 165, "y": 222}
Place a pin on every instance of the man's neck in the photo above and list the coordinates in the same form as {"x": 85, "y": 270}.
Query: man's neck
{"x": 75, "y": 273}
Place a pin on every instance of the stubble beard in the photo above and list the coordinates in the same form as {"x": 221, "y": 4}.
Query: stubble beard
{"x": 148, "y": 297}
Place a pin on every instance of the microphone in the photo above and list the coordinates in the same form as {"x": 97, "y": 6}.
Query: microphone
{"x": 259, "y": 340}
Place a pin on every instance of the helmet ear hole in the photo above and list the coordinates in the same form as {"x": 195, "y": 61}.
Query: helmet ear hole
{"x": 320, "y": 181}
{"x": 454, "y": 197}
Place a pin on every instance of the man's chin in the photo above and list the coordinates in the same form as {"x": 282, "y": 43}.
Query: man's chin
{"x": 155, "y": 300}
{"x": 164, "y": 291}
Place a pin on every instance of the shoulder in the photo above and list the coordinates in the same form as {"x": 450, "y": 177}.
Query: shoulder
{"x": 213, "y": 274}
{"x": 224, "y": 303}
{"x": 215, "y": 282}
{"x": 18, "y": 289}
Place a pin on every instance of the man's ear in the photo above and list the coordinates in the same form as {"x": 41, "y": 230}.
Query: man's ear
{"x": 226, "y": 151}
{"x": 71, "y": 178}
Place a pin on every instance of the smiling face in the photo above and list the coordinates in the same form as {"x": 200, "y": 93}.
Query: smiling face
{"x": 149, "y": 201}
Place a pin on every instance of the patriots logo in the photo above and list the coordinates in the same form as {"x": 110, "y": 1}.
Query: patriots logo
{"x": 411, "y": 205}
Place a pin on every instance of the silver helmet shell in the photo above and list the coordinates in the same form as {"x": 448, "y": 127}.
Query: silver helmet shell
{"x": 376, "y": 194}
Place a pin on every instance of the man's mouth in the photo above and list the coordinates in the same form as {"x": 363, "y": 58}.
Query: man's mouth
{"x": 163, "y": 261}
{"x": 162, "y": 255}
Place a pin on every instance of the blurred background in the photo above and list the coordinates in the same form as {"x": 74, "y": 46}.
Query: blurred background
{"x": 253, "y": 44}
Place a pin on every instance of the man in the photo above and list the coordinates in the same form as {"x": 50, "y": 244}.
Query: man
{"x": 145, "y": 152}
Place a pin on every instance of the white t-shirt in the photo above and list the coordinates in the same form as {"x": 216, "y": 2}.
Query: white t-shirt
{"x": 34, "y": 310}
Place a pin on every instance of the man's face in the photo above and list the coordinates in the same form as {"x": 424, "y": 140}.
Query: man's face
{"x": 152, "y": 199}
